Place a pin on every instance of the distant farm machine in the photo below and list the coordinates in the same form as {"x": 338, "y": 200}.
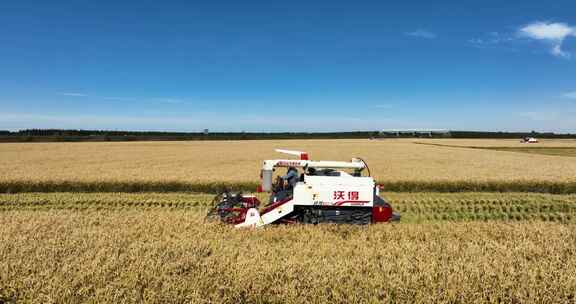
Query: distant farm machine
{"x": 324, "y": 192}
{"x": 529, "y": 140}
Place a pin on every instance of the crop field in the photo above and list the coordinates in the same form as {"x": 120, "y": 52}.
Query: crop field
{"x": 158, "y": 247}
{"x": 153, "y": 166}
{"x": 125, "y": 222}
{"x": 172, "y": 255}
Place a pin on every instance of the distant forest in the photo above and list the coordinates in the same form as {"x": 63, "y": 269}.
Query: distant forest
{"x": 58, "y": 135}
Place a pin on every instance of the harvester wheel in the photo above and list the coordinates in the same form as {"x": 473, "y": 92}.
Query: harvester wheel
{"x": 309, "y": 217}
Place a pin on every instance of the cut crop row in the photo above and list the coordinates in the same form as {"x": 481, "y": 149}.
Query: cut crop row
{"x": 19, "y": 186}
{"x": 413, "y": 207}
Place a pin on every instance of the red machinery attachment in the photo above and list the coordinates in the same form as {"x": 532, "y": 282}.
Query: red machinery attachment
{"x": 231, "y": 208}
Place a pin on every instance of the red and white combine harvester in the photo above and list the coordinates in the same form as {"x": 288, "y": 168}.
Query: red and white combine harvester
{"x": 323, "y": 192}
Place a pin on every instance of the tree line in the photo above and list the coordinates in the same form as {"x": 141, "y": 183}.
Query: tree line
{"x": 41, "y": 135}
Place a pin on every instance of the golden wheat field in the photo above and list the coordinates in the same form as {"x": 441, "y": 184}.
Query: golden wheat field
{"x": 238, "y": 161}
{"x": 115, "y": 244}
{"x": 159, "y": 248}
{"x": 173, "y": 256}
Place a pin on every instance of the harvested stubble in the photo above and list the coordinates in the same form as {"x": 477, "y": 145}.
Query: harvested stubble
{"x": 173, "y": 256}
{"x": 561, "y": 150}
{"x": 425, "y": 207}
{"x": 491, "y": 143}
{"x": 420, "y": 207}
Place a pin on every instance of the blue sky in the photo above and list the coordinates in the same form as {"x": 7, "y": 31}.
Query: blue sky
{"x": 288, "y": 65}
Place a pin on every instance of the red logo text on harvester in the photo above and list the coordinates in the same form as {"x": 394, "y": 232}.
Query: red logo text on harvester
{"x": 342, "y": 195}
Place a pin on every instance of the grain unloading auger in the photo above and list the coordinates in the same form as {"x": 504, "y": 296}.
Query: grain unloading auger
{"x": 322, "y": 192}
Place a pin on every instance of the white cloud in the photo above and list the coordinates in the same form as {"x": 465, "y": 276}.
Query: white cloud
{"x": 73, "y": 94}
{"x": 547, "y": 31}
{"x": 571, "y": 95}
{"x": 420, "y": 33}
{"x": 553, "y": 33}
{"x": 491, "y": 39}
{"x": 557, "y": 51}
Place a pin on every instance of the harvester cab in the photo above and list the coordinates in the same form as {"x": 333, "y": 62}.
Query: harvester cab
{"x": 324, "y": 191}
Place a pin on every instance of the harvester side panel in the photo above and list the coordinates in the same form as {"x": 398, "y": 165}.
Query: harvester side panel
{"x": 335, "y": 191}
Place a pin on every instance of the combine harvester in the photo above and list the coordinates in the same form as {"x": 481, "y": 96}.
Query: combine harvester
{"x": 324, "y": 193}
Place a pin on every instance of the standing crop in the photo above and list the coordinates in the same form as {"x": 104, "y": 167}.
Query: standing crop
{"x": 172, "y": 255}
